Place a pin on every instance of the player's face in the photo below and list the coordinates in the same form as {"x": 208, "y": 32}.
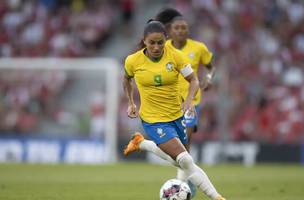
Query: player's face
{"x": 155, "y": 43}
{"x": 179, "y": 30}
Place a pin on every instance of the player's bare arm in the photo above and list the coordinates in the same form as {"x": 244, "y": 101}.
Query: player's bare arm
{"x": 193, "y": 88}
{"x": 129, "y": 91}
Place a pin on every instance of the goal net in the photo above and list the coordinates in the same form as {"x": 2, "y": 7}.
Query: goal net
{"x": 58, "y": 110}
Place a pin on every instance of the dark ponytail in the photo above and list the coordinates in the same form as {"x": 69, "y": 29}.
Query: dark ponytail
{"x": 140, "y": 45}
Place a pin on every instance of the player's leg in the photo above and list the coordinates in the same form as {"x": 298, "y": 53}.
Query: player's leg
{"x": 139, "y": 143}
{"x": 196, "y": 175}
{"x": 154, "y": 131}
{"x": 185, "y": 137}
{"x": 165, "y": 135}
{"x": 193, "y": 173}
{"x": 150, "y": 146}
{"x": 160, "y": 133}
{"x": 181, "y": 175}
{"x": 191, "y": 124}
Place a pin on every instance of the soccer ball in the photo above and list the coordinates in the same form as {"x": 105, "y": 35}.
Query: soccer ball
{"x": 175, "y": 189}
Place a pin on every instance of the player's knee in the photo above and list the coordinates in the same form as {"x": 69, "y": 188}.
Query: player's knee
{"x": 185, "y": 160}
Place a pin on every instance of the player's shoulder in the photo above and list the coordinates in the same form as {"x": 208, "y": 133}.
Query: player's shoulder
{"x": 135, "y": 57}
{"x": 169, "y": 46}
{"x": 176, "y": 54}
{"x": 172, "y": 50}
{"x": 196, "y": 43}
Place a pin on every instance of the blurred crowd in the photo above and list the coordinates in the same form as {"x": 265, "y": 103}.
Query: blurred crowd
{"x": 45, "y": 28}
{"x": 259, "y": 55}
{"x": 67, "y": 28}
{"x": 27, "y": 97}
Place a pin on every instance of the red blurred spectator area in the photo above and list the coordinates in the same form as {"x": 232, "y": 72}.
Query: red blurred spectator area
{"x": 27, "y": 96}
{"x": 259, "y": 52}
{"x": 38, "y": 28}
{"x": 45, "y": 28}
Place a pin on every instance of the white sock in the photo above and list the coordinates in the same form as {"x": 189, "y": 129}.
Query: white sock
{"x": 149, "y": 145}
{"x": 196, "y": 175}
{"x": 181, "y": 175}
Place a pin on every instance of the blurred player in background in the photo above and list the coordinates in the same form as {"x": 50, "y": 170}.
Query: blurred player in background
{"x": 156, "y": 68}
{"x": 198, "y": 54}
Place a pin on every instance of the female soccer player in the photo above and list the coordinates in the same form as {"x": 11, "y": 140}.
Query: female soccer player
{"x": 155, "y": 69}
{"x": 199, "y": 55}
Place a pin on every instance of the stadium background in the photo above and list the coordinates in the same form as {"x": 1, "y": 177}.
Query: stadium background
{"x": 253, "y": 114}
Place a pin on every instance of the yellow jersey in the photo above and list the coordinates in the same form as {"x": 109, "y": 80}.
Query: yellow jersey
{"x": 158, "y": 84}
{"x": 197, "y": 53}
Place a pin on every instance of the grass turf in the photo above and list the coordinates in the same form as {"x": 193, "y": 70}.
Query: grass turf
{"x": 132, "y": 181}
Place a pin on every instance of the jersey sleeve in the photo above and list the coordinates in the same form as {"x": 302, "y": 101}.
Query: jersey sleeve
{"x": 181, "y": 60}
{"x": 206, "y": 55}
{"x": 129, "y": 67}
{"x": 183, "y": 64}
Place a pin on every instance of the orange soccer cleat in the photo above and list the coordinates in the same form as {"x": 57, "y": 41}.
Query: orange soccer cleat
{"x": 133, "y": 145}
{"x": 220, "y": 198}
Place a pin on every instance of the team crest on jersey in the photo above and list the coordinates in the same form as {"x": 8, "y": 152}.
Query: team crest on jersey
{"x": 169, "y": 66}
{"x": 160, "y": 132}
{"x": 191, "y": 55}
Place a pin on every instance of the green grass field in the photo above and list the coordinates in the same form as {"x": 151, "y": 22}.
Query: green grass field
{"x": 139, "y": 181}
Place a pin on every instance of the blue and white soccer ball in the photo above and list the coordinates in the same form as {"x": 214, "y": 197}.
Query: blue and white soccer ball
{"x": 175, "y": 189}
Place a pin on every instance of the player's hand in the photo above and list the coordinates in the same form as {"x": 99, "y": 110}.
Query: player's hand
{"x": 188, "y": 107}
{"x": 205, "y": 85}
{"x": 132, "y": 111}
{"x": 207, "y": 82}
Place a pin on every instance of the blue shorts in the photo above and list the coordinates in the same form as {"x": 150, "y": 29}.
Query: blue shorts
{"x": 193, "y": 122}
{"x": 161, "y": 132}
